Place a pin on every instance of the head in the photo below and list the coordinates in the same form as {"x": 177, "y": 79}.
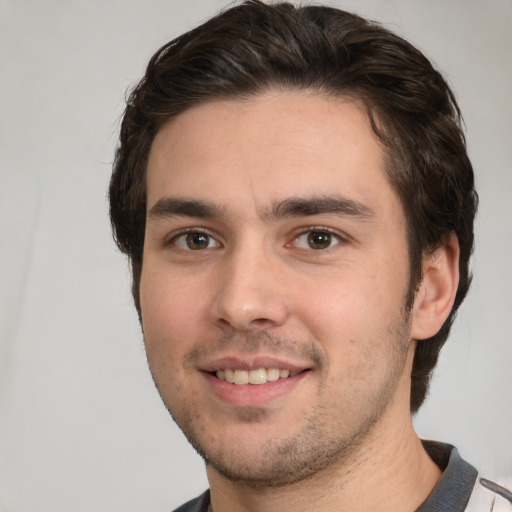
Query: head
{"x": 254, "y": 48}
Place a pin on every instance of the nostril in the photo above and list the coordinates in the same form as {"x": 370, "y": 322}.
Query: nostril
{"x": 260, "y": 322}
{"x": 250, "y": 325}
{"x": 223, "y": 322}
{"x": 244, "y": 307}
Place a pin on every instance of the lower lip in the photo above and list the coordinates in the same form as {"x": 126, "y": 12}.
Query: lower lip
{"x": 252, "y": 395}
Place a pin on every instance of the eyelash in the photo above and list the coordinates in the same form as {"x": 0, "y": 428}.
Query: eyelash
{"x": 191, "y": 231}
{"x": 173, "y": 240}
{"x": 319, "y": 230}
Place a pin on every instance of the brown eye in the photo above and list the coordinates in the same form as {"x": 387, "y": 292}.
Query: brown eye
{"x": 195, "y": 241}
{"x": 319, "y": 239}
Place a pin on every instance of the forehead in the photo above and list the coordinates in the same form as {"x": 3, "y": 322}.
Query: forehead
{"x": 269, "y": 147}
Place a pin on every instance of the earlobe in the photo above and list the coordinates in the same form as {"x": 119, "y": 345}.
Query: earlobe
{"x": 436, "y": 293}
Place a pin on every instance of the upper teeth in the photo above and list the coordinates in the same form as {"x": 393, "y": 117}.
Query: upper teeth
{"x": 259, "y": 376}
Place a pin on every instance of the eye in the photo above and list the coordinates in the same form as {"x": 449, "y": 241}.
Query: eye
{"x": 317, "y": 240}
{"x": 195, "y": 241}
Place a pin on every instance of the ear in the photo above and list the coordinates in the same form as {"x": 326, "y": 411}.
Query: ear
{"x": 436, "y": 293}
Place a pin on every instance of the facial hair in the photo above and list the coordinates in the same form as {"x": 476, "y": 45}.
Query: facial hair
{"x": 319, "y": 444}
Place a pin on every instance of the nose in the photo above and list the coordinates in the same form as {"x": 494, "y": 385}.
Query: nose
{"x": 250, "y": 295}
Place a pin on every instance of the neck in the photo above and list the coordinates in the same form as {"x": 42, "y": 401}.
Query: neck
{"x": 391, "y": 471}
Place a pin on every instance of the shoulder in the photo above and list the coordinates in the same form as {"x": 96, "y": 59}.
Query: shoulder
{"x": 199, "y": 504}
{"x": 454, "y": 488}
{"x": 460, "y": 487}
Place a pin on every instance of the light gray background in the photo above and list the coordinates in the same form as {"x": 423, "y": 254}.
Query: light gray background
{"x": 81, "y": 427}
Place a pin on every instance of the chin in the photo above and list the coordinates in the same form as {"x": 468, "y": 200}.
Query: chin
{"x": 265, "y": 460}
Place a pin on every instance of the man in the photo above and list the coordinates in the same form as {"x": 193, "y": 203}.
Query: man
{"x": 293, "y": 191}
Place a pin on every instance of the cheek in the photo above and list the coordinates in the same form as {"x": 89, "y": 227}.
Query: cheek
{"x": 170, "y": 314}
{"x": 351, "y": 302}
{"x": 355, "y": 321}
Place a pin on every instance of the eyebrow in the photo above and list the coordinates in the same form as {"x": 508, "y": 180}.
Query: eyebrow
{"x": 168, "y": 207}
{"x": 317, "y": 205}
{"x": 174, "y": 207}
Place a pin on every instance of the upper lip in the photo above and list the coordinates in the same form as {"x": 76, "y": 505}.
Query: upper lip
{"x": 251, "y": 362}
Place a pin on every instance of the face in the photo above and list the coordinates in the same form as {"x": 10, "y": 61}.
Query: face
{"x": 274, "y": 278}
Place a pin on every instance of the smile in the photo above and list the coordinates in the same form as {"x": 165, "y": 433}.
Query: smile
{"x": 258, "y": 376}
{"x": 252, "y": 382}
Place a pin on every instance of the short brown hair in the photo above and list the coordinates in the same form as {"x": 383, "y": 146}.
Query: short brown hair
{"x": 253, "y": 47}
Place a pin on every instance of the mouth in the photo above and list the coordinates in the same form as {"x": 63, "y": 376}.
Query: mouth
{"x": 241, "y": 377}
{"x": 250, "y": 380}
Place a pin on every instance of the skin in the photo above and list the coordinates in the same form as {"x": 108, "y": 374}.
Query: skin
{"x": 255, "y": 291}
